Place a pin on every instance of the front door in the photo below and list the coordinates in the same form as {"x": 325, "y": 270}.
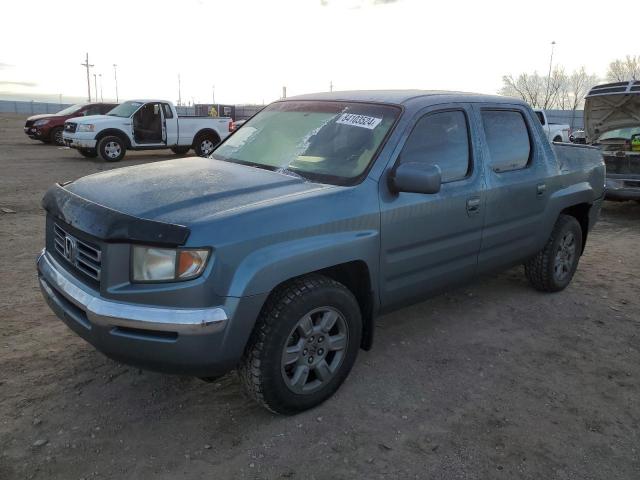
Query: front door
{"x": 148, "y": 125}
{"x": 431, "y": 241}
{"x": 516, "y": 187}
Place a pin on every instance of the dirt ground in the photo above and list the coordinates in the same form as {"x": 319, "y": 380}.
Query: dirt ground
{"x": 494, "y": 380}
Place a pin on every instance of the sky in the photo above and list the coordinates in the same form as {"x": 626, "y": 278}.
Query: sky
{"x": 247, "y": 50}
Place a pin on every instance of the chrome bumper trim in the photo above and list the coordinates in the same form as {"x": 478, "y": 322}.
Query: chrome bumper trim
{"x": 55, "y": 281}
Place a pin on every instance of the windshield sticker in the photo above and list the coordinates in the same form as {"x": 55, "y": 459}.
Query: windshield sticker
{"x": 356, "y": 120}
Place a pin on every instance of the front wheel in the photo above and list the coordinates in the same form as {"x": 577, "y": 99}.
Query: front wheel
{"x": 56, "y": 136}
{"x": 558, "y": 139}
{"x": 112, "y": 148}
{"x": 552, "y": 269}
{"x": 205, "y": 144}
{"x": 303, "y": 345}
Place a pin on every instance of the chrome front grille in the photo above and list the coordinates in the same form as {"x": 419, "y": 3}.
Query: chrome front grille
{"x": 85, "y": 257}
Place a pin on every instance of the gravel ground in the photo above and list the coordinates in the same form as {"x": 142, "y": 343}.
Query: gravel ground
{"x": 493, "y": 380}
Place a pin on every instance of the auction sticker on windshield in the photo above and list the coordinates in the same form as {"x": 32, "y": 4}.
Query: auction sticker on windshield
{"x": 356, "y": 120}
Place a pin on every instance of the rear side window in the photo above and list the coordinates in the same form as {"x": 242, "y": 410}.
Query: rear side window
{"x": 167, "y": 110}
{"x": 440, "y": 139}
{"x": 507, "y": 138}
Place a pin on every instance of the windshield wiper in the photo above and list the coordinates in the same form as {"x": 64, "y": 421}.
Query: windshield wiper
{"x": 291, "y": 173}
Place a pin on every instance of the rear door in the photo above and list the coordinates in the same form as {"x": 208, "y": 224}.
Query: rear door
{"x": 430, "y": 241}
{"x": 170, "y": 134}
{"x": 516, "y": 186}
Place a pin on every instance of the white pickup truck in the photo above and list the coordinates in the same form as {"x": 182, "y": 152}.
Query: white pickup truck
{"x": 556, "y": 132}
{"x": 143, "y": 125}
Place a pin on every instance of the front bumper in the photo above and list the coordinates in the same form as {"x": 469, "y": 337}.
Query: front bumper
{"x": 79, "y": 140}
{"x": 190, "y": 341}
{"x": 37, "y": 133}
{"x": 622, "y": 188}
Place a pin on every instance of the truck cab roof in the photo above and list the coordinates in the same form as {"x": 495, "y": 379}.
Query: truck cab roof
{"x": 403, "y": 97}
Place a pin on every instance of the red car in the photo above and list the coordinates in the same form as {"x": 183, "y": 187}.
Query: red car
{"x": 48, "y": 127}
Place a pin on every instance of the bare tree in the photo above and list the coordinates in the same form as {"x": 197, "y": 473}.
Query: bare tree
{"x": 562, "y": 91}
{"x": 622, "y": 70}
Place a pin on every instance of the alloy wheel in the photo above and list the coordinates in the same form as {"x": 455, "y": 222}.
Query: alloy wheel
{"x": 314, "y": 350}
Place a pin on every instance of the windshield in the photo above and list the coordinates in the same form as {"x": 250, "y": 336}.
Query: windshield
{"x": 329, "y": 142}
{"x": 125, "y": 110}
{"x": 620, "y": 133}
{"x": 71, "y": 109}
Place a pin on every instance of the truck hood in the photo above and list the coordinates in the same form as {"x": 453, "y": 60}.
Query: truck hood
{"x": 40, "y": 117}
{"x": 603, "y": 113}
{"x": 188, "y": 190}
{"x": 93, "y": 119}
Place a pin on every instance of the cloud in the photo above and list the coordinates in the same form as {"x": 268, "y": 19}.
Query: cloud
{"x": 21, "y": 84}
{"x": 5, "y": 65}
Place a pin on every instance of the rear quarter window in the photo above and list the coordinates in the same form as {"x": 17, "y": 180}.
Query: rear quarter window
{"x": 508, "y": 139}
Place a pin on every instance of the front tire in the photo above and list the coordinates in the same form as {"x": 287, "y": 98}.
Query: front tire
{"x": 552, "y": 269}
{"x": 56, "y": 136}
{"x": 558, "y": 139}
{"x": 88, "y": 152}
{"x": 303, "y": 346}
{"x": 205, "y": 144}
{"x": 112, "y": 148}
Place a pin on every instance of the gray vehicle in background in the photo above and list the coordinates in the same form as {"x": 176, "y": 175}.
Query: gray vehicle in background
{"x": 612, "y": 123}
{"x": 275, "y": 255}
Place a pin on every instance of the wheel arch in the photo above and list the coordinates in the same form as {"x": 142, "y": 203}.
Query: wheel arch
{"x": 580, "y": 212}
{"x": 116, "y": 132}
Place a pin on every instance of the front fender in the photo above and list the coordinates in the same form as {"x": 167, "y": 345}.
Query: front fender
{"x": 265, "y": 268}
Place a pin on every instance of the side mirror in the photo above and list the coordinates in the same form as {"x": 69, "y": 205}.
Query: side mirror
{"x": 415, "y": 177}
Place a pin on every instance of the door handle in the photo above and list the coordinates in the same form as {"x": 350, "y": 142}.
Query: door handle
{"x": 473, "y": 206}
{"x": 540, "y": 189}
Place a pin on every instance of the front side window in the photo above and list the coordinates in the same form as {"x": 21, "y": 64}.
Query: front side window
{"x": 507, "y": 138}
{"x": 440, "y": 139}
{"x": 325, "y": 141}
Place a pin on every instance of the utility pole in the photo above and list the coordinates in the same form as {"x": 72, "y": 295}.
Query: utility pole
{"x": 60, "y": 99}
{"x": 213, "y": 94}
{"x": 179, "y": 92}
{"x": 547, "y": 99}
{"x": 284, "y": 92}
{"x": 87, "y": 65}
{"x": 115, "y": 76}
{"x": 101, "y": 97}
{"x": 331, "y": 85}
{"x": 95, "y": 85}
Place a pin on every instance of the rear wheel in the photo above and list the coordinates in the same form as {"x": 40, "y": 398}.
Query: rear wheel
{"x": 88, "y": 152}
{"x": 303, "y": 345}
{"x": 557, "y": 139}
{"x": 56, "y": 136}
{"x": 180, "y": 150}
{"x": 112, "y": 148}
{"x": 552, "y": 269}
{"x": 205, "y": 143}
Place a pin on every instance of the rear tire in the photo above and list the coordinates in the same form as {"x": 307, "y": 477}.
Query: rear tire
{"x": 180, "y": 150}
{"x": 56, "y": 136}
{"x": 552, "y": 269}
{"x": 112, "y": 148}
{"x": 303, "y": 345}
{"x": 88, "y": 152}
{"x": 558, "y": 139}
{"x": 205, "y": 143}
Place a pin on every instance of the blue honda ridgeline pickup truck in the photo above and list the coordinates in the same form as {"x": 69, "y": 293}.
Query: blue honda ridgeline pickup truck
{"x": 274, "y": 255}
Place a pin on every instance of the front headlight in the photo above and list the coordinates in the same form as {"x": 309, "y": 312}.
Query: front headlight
{"x": 150, "y": 264}
{"x": 39, "y": 123}
{"x": 86, "y": 127}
